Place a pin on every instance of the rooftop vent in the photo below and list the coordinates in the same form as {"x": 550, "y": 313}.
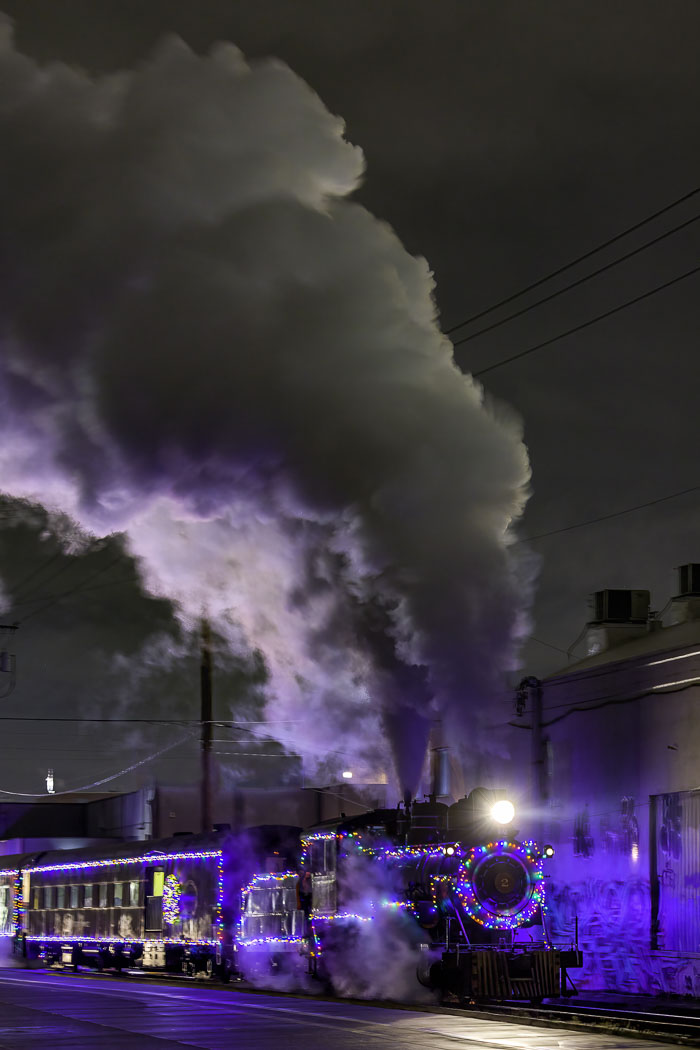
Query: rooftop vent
{"x": 688, "y": 580}
{"x": 685, "y": 605}
{"x": 615, "y": 606}
{"x": 615, "y": 617}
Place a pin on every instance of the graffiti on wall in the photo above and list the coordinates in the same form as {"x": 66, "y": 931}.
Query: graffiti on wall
{"x": 613, "y": 931}
{"x": 615, "y": 914}
{"x": 584, "y": 844}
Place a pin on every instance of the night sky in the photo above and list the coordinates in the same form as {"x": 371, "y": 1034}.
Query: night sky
{"x": 502, "y": 141}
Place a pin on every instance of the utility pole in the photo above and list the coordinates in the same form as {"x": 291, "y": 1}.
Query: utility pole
{"x": 8, "y": 663}
{"x": 529, "y": 697}
{"x": 206, "y": 723}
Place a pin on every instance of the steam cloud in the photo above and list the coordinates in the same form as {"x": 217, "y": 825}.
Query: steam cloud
{"x": 206, "y": 344}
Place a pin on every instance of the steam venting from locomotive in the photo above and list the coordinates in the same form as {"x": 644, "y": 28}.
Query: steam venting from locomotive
{"x": 208, "y": 345}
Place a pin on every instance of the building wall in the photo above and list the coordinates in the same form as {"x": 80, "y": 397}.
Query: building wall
{"x": 617, "y": 803}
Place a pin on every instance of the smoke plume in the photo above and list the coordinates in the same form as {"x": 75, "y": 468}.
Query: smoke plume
{"x": 208, "y": 345}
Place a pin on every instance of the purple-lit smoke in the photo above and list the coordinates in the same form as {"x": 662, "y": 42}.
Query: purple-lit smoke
{"x": 208, "y": 345}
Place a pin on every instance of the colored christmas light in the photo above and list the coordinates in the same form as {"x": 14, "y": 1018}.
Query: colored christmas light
{"x": 347, "y": 916}
{"x": 271, "y": 940}
{"x": 149, "y": 858}
{"x": 146, "y": 942}
{"x": 316, "y": 836}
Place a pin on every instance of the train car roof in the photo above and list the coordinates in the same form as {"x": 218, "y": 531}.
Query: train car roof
{"x": 182, "y": 843}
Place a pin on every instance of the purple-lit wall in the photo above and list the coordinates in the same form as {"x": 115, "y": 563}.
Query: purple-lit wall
{"x": 618, "y": 805}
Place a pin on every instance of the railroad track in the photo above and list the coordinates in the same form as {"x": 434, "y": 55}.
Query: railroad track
{"x": 676, "y": 1028}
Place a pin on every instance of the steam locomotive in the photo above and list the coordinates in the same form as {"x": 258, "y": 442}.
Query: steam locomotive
{"x": 453, "y": 885}
{"x": 453, "y": 881}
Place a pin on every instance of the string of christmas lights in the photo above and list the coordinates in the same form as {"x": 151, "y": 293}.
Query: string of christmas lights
{"x": 148, "y": 858}
{"x": 183, "y": 941}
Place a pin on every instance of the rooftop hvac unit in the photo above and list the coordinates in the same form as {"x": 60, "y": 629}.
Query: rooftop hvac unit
{"x": 614, "y": 606}
{"x": 688, "y": 580}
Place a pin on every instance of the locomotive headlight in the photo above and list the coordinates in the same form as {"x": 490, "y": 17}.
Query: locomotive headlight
{"x": 450, "y": 851}
{"x": 503, "y": 811}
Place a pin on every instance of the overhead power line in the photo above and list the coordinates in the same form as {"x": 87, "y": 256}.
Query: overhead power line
{"x": 575, "y": 262}
{"x": 104, "y": 780}
{"x": 23, "y": 596}
{"x": 547, "y": 644}
{"x": 587, "y": 324}
{"x": 575, "y": 284}
{"x": 41, "y": 567}
{"x": 73, "y": 590}
{"x": 216, "y": 722}
{"x": 606, "y": 517}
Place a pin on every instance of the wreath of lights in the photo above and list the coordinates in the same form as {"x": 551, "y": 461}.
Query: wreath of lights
{"x": 531, "y": 861}
{"x": 18, "y": 908}
{"x": 171, "y": 900}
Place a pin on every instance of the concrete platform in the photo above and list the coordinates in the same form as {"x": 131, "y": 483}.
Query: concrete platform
{"x": 66, "y": 1012}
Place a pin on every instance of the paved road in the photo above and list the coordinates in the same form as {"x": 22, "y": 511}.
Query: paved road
{"x": 39, "y": 1009}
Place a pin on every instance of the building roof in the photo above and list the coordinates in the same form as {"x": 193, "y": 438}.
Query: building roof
{"x": 666, "y": 640}
{"x": 67, "y": 798}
